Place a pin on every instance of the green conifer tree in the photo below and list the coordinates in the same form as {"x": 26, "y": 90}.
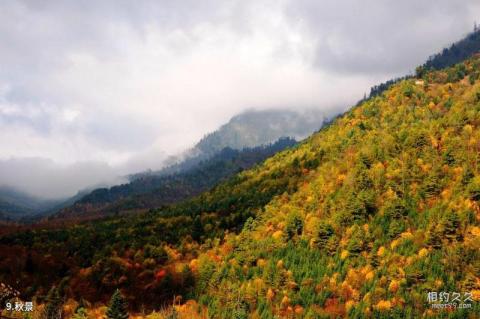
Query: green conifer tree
{"x": 434, "y": 238}
{"x": 451, "y": 226}
{"x": 324, "y": 232}
{"x": 53, "y": 306}
{"x": 80, "y": 313}
{"x": 294, "y": 225}
{"x": 396, "y": 227}
{"x": 356, "y": 243}
{"x": 118, "y": 307}
{"x": 473, "y": 189}
{"x": 331, "y": 246}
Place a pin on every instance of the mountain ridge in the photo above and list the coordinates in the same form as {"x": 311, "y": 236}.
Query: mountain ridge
{"x": 246, "y": 132}
{"x": 258, "y": 127}
{"x": 149, "y": 191}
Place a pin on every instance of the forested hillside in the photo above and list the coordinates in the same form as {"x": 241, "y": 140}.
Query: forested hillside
{"x": 363, "y": 219}
{"x": 391, "y": 214}
{"x": 150, "y": 191}
{"x": 16, "y": 205}
{"x": 146, "y": 253}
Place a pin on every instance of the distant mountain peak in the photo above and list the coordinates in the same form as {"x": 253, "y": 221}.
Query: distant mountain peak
{"x": 260, "y": 127}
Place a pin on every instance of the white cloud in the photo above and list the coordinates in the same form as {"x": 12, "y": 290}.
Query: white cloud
{"x": 45, "y": 178}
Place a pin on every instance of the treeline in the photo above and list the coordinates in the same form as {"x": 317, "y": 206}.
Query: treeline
{"x": 456, "y": 53}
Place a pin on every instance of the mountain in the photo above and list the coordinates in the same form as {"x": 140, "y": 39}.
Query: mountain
{"x": 246, "y": 130}
{"x": 155, "y": 190}
{"x": 362, "y": 219}
{"x": 16, "y": 205}
{"x": 243, "y": 133}
{"x": 215, "y": 157}
{"x": 253, "y": 128}
{"x": 10, "y": 211}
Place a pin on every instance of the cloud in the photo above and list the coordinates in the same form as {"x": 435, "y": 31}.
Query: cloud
{"x": 45, "y": 178}
{"x": 126, "y": 84}
{"x": 381, "y": 37}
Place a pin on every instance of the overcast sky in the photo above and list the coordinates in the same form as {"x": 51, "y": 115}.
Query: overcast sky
{"x": 94, "y": 89}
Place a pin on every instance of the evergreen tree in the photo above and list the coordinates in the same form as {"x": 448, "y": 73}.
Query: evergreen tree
{"x": 331, "y": 246}
{"x": 434, "y": 238}
{"x": 448, "y": 157}
{"x": 80, "y": 313}
{"x": 364, "y": 160}
{"x": 362, "y": 180}
{"x": 356, "y": 243}
{"x": 396, "y": 209}
{"x": 324, "y": 232}
{"x": 431, "y": 185}
{"x": 474, "y": 189}
{"x": 294, "y": 226}
{"x": 467, "y": 176}
{"x": 29, "y": 265}
{"x": 374, "y": 260}
{"x": 197, "y": 230}
{"x": 172, "y": 315}
{"x": 420, "y": 71}
{"x": 451, "y": 226}
{"x": 396, "y": 227}
{"x": 118, "y": 307}
{"x": 53, "y": 306}
{"x": 355, "y": 208}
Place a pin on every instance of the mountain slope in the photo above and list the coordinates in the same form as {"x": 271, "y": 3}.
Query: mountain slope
{"x": 362, "y": 219}
{"x": 15, "y": 205}
{"x": 390, "y": 214}
{"x": 149, "y": 191}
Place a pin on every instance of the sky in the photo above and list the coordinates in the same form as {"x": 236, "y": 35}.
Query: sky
{"x": 93, "y": 90}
